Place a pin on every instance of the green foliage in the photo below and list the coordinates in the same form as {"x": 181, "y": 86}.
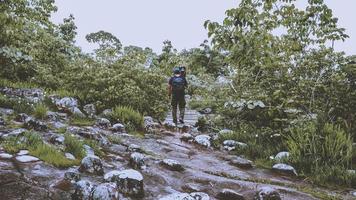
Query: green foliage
{"x": 20, "y": 105}
{"x": 77, "y": 121}
{"x": 40, "y": 111}
{"x": 74, "y": 146}
{"x": 132, "y": 119}
{"x": 51, "y": 155}
{"x": 317, "y": 147}
{"x": 115, "y": 139}
{"x": 34, "y": 143}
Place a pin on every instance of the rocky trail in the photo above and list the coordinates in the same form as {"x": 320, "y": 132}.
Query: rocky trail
{"x": 167, "y": 163}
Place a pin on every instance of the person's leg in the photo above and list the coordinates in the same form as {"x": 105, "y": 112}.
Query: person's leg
{"x": 174, "y": 104}
{"x": 181, "y": 109}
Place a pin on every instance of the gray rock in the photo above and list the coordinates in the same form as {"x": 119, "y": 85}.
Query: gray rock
{"x": 90, "y": 110}
{"x": 241, "y": 162}
{"x": 129, "y": 182}
{"x": 26, "y": 159}
{"x": 57, "y": 139}
{"x": 203, "y": 140}
{"x": 31, "y": 123}
{"x": 58, "y": 125}
{"x": 200, "y": 196}
{"x": 281, "y": 156}
{"x": 137, "y": 160}
{"x": 172, "y": 165}
{"x": 21, "y": 117}
{"x": 69, "y": 156}
{"x": 118, "y": 128}
{"x": 284, "y": 169}
{"x": 225, "y": 132}
{"x": 178, "y": 196}
{"x": 15, "y": 133}
{"x": 88, "y": 150}
{"x": 106, "y": 113}
{"x": 105, "y": 191}
{"x": 83, "y": 190}
{"x": 227, "y": 194}
{"x": 72, "y": 176}
{"x": 206, "y": 111}
{"x": 103, "y": 123}
{"x": 229, "y": 143}
{"x": 267, "y": 193}
{"x": 134, "y": 148}
{"x": 77, "y": 112}
{"x": 92, "y": 164}
{"x": 52, "y": 116}
{"x": 23, "y": 152}
{"x": 6, "y": 111}
{"x": 66, "y": 103}
{"x": 5, "y": 156}
{"x": 187, "y": 137}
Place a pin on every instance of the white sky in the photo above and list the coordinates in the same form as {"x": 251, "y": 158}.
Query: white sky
{"x": 147, "y": 23}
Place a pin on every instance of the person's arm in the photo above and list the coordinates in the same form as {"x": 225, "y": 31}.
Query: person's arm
{"x": 170, "y": 87}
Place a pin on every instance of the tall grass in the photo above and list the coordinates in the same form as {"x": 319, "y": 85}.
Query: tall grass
{"x": 132, "y": 119}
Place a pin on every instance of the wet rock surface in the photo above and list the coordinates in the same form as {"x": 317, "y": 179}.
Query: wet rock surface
{"x": 134, "y": 169}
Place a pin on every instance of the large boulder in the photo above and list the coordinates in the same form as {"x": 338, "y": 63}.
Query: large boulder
{"x": 129, "y": 182}
{"x": 241, "y": 162}
{"x": 103, "y": 123}
{"x": 118, "y": 128}
{"x": 137, "y": 160}
{"x": 284, "y": 169}
{"x": 267, "y": 193}
{"x": 105, "y": 191}
{"x": 203, "y": 140}
{"x": 227, "y": 194}
{"x": 172, "y": 165}
{"x": 66, "y": 103}
{"x": 83, "y": 190}
{"x": 92, "y": 164}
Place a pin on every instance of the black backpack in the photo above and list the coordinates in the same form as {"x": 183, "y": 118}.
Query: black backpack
{"x": 178, "y": 84}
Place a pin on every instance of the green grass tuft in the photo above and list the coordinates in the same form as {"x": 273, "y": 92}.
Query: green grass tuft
{"x": 40, "y": 111}
{"x": 132, "y": 119}
{"x": 73, "y": 146}
{"x": 77, "y": 121}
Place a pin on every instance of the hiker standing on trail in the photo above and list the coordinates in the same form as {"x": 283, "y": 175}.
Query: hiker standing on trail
{"x": 176, "y": 90}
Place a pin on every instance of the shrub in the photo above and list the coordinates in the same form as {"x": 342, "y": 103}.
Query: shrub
{"x": 132, "y": 119}
{"x": 74, "y": 146}
{"x": 40, "y": 111}
{"x": 19, "y": 105}
{"x": 316, "y": 147}
{"x": 34, "y": 143}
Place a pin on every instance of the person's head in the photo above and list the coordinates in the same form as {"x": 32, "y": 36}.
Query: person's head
{"x": 176, "y": 71}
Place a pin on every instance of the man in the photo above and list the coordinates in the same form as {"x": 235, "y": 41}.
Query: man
{"x": 176, "y": 90}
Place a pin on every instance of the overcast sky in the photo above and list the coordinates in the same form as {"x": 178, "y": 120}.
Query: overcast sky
{"x": 147, "y": 23}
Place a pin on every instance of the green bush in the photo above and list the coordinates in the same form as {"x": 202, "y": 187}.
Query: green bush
{"x": 40, "y": 111}
{"x": 132, "y": 119}
{"x": 19, "y": 105}
{"x": 316, "y": 147}
{"x": 77, "y": 121}
{"x": 34, "y": 143}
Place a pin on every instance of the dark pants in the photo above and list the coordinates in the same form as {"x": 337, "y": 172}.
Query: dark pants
{"x": 178, "y": 100}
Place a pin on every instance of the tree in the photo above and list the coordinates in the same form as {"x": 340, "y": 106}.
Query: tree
{"x": 109, "y": 46}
